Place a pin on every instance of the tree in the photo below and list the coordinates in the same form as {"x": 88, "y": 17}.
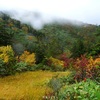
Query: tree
{"x": 78, "y": 48}
{"x": 5, "y": 34}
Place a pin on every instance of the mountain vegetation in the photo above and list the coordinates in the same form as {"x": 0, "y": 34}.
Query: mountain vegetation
{"x": 54, "y": 39}
{"x": 65, "y": 47}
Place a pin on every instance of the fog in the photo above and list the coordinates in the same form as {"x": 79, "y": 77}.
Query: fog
{"x": 40, "y": 12}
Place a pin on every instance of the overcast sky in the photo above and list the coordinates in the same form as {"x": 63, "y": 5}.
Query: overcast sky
{"x": 38, "y": 12}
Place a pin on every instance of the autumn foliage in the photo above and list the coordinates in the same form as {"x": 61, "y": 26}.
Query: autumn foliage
{"x": 27, "y": 57}
{"x": 86, "y": 68}
{"x": 55, "y": 62}
{"x": 67, "y": 61}
{"x": 6, "y": 54}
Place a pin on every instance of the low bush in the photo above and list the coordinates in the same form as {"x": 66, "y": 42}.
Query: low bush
{"x": 88, "y": 90}
{"x": 21, "y": 66}
{"x": 10, "y": 65}
{"x": 68, "y": 62}
{"x": 27, "y": 57}
{"x": 2, "y": 68}
{"x": 6, "y": 68}
{"x": 40, "y": 66}
{"x": 55, "y": 64}
{"x": 56, "y": 84}
{"x": 86, "y": 68}
{"x": 6, "y": 60}
{"x": 6, "y": 54}
{"x": 63, "y": 90}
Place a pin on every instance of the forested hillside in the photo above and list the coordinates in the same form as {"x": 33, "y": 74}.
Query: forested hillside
{"x": 54, "y": 39}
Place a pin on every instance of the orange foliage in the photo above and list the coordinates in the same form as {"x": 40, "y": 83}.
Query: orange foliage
{"x": 86, "y": 68}
{"x": 28, "y": 58}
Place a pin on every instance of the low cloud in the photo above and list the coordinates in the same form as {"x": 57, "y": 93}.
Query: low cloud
{"x": 40, "y": 12}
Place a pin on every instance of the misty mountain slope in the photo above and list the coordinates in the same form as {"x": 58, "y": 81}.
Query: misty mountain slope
{"x": 71, "y": 31}
{"x": 55, "y": 37}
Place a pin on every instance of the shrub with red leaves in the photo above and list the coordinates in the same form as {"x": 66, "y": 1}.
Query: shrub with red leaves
{"x": 67, "y": 61}
{"x": 80, "y": 66}
{"x": 85, "y": 68}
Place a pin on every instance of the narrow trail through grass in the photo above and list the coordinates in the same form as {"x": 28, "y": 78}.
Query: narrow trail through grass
{"x": 26, "y": 86}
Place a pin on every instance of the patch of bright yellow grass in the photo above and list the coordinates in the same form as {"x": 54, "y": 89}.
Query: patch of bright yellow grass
{"x": 26, "y": 86}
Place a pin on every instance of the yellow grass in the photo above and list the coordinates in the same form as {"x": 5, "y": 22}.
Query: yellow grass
{"x": 26, "y": 86}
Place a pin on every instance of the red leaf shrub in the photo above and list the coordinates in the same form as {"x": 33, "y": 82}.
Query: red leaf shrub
{"x": 85, "y": 68}
{"x": 67, "y": 61}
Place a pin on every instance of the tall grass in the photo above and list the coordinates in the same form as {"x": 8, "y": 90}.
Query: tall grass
{"x": 26, "y": 86}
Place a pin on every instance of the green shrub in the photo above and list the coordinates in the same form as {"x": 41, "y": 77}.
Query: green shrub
{"x": 56, "y": 68}
{"x": 6, "y": 69}
{"x": 88, "y": 90}
{"x": 2, "y": 68}
{"x": 56, "y": 83}
{"x": 41, "y": 66}
{"x": 21, "y": 66}
{"x": 68, "y": 79}
{"x": 64, "y": 89}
